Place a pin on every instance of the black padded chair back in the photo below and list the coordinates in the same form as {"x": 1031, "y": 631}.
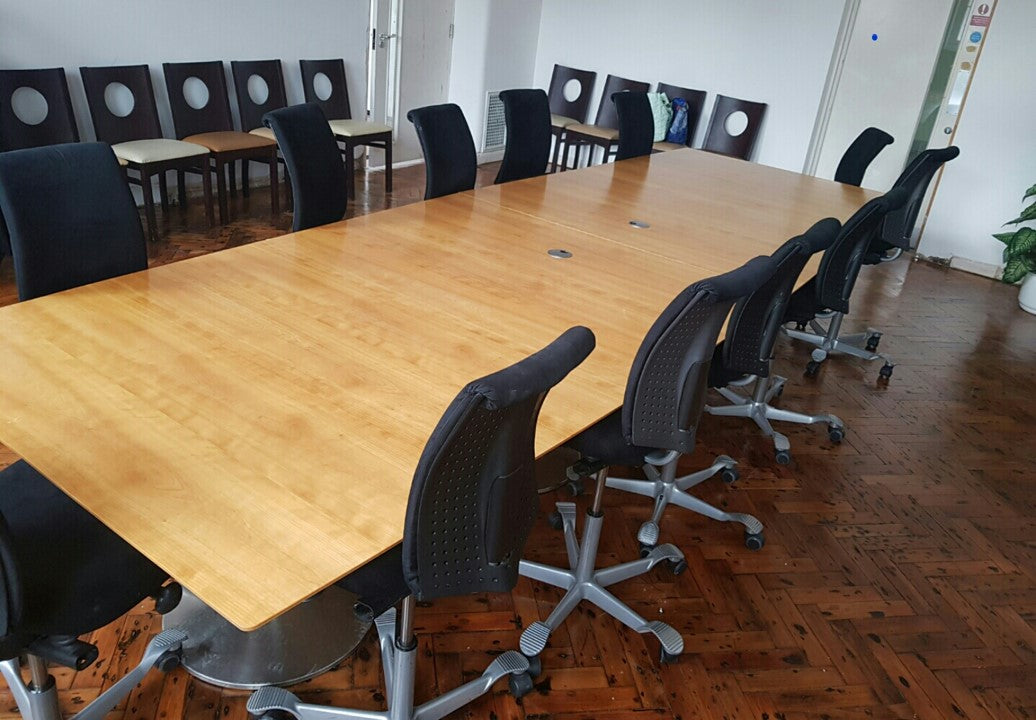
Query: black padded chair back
{"x": 665, "y": 392}
{"x": 899, "y": 224}
{"x": 636, "y": 124}
{"x": 449, "y": 152}
{"x": 10, "y": 597}
{"x": 527, "y": 151}
{"x": 578, "y": 108}
{"x": 215, "y": 115}
{"x": 59, "y": 124}
{"x": 142, "y": 121}
{"x": 606, "y": 115}
{"x": 859, "y": 154}
{"x": 250, "y": 111}
{"x": 473, "y": 500}
{"x": 87, "y": 230}
{"x": 718, "y": 140}
{"x": 755, "y": 320}
{"x": 840, "y": 265}
{"x": 695, "y": 100}
{"x": 314, "y": 164}
{"x": 336, "y": 105}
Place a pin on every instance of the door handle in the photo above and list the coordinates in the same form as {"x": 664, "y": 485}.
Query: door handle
{"x": 383, "y": 37}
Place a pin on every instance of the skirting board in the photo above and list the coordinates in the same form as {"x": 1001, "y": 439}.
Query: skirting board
{"x": 975, "y": 267}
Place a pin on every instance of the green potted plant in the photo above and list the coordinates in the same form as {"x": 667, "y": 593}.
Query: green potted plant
{"x": 1020, "y": 254}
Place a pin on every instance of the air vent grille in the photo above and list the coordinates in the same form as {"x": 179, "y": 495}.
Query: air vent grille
{"x": 494, "y": 132}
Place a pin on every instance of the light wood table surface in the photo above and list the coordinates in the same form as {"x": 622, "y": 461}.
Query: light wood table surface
{"x": 250, "y": 419}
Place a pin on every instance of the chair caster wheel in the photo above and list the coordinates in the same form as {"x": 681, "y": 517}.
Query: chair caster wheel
{"x": 783, "y": 457}
{"x": 555, "y": 520}
{"x": 678, "y": 566}
{"x": 886, "y": 371}
{"x": 575, "y": 487}
{"x": 754, "y": 541}
{"x": 167, "y": 662}
{"x": 730, "y": 475}
{"x": 668, "y": 658}
{"x": 836, "y": 433}
{"x": 168, "y": 597}
{"x": 812, "y": 368}
{"x": 519, "y": 685}
{"x": 800, "y": 326}
{"x": 872, "y": 342}
{"x": 646, "y": 549}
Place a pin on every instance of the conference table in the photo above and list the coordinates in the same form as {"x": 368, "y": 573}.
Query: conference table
{"x": 250, "y": 420}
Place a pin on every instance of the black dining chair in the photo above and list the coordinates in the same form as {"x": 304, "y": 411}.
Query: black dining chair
{"x": 745, "y": 356}
{"x": 604, "y": 133}
{"x": 314, "y": 164}
{"x": 527, "y": 149}
{"x": 859, "y": 155}
{"x": 636, "y": 124}
{"x": 64, "y": 574}
{"x": 58, "y": 123}
{"x": 472, "y": 504}
{"x": 563, "y": 111}
{"x": 718, "y": 139}
{"x": 449, "y": 152}
{"x": 695, "y": 100}
{"x": 654, "y": 428}
{"x": 826, "y": 295}
{"x": 259, "y": 88}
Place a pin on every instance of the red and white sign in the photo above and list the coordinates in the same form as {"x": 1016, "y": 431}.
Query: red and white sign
{"x": 979, "y": 21}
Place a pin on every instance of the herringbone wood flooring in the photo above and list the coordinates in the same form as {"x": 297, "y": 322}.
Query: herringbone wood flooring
{"x": 897, "y": 580}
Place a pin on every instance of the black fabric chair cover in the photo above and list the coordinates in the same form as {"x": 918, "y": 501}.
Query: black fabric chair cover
{"x": 859, "y": 154}
{"x": 636, "y": 124}
{"x": 314, "y": 164}
{"x": 71, "y": 217}
{"x": 527, "y": 151}
{"x": 449, "y": 152}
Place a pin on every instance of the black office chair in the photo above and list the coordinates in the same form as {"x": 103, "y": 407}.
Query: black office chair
{"x": 859, "y": 154}
{"x": 654, "y": 427}
{"x": 636, "y": 124}
{"x": 527, "y": 151}
{"x": 898, "y": 229}
{"x": 746, "y": 353}
{"x": 826, "y": 295}
{"x": 449, "y": 152}
{"x": 62, "y": 572}
{"x": 472, "y": 505}
{"x": 314, "y": 164}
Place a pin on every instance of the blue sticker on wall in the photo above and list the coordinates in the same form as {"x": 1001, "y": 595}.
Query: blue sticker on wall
{"x": 874, "y": 37}
{"x": 976, "y": 36}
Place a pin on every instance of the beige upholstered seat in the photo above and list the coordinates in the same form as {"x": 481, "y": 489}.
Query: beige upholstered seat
{"x": 122, "y": 163}
{"x": 560, "y": 121}
{"x": 356, "y": 128}
{"x": 664, "y": 146}
{"x": 604, "y": 133}
{"x": 156, "y": 150}
{"x": 229, "y": 141}
{"x": 263, "y": 132}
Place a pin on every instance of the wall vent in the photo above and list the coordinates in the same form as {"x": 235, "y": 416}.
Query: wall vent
{"x": 494, "y": 130}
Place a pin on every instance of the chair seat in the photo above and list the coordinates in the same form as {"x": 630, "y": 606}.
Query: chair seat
{"x": 229, "y": 141}
{"x": 122, "y": 162}
{"x": 595, "y": 131}
{"x": 665, "y": 146}
{"x": 560, "y": 121}
{"x": 357, "y": 128}
{"x": 604, "y": 441}
{"x": 156, "y": 150}
{"x": 77, "y": 574}
{"x": 263, "y": 132}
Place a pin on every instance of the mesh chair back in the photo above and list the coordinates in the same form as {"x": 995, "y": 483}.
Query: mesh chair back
{"x": 88, "y": 228}
{"x": 859, "y": 154}
{"x": 718, "y": 140}
{"x": 214, "y": 115}
{"x": 250, "y": 111}
{"x": 695, "y": 105}
{"x": 314, "y": 164}
{"x": 527, "y": 151}
{"x": 449, "y": 151}
{"x": 841, "y": 263}
{"x": 755, "y": 320}
{"x": 665, "y": 392}
{"x": 142, "y": 121}
{"x": 636, "y": 124}
{"x": 899, "y": 224}
{"x": 59, "y": 124}
{"x": 578, "y": 108}
{"x": 474, "y": 500}
{"x": 336, "y": 105}
{"x": 606, "y": 115}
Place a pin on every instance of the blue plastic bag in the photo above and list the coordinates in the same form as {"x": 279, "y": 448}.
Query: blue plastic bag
{"x": 678, "y": 130}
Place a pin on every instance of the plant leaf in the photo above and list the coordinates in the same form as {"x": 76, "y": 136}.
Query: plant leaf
{"x": 1028, "y": 213}
{"x": 1014, "y": 271}
{"x": 1005, "y": 238}
{"x": 1022, "y": 243}
{"x": 1029, "y": 193}
{"x": 1030, "y": 263}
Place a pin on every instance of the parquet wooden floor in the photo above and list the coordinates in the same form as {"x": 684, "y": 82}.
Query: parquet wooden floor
{"x": 897, "y": 580}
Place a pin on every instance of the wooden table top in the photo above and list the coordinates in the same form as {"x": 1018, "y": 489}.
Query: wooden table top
{"x": 251, "y": 419}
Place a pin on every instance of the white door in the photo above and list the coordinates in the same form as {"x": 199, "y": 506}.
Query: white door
{"x": 891, "y": 48}
{"x": 410, "y": 51}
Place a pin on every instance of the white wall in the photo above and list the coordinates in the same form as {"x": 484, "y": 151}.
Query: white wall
{"x": 774, "y": 52}
{"x": 983, "y": 187}
{"x": 52, "y": 33}
{"x": 494, "y": 48}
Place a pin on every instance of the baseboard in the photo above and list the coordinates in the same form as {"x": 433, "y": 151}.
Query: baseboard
{"x": 976, "y": 267}
{"x": 490, "y": 156}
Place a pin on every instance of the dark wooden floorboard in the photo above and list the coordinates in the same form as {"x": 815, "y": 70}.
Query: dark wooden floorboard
{"x": 899, "y": 571}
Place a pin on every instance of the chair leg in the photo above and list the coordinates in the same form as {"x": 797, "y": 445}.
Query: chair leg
{"x": 350, "y": 169}
{"x": 221, "y": 192}
{"x": 149, "y": 204}
{"x": 181, "y": 190}
{"x": 556, "y": 135}
{"x": 388, "y": 166}
{"x": 163, "y": 191}
{"x": 585, "y": 582}
{"x": 206, "y": 189}
{"x": 232, "y": 172}
{"x": 275, "y": 194}
{"x": 245, "y": 189}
